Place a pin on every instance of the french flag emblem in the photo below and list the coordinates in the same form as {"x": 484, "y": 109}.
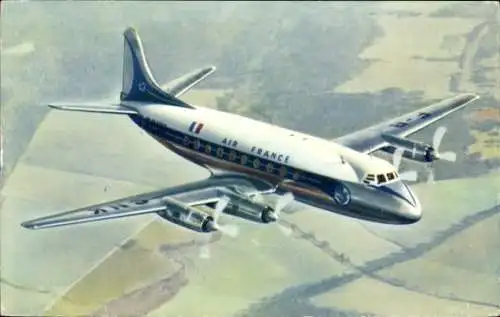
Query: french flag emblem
{"x": 195, "y": 127}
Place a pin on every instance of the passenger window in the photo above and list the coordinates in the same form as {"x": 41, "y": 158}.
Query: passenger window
{"x": 208, "y": 149}
{"x": 390, "y": 176}
{"x": 244, "y": 159}
{"x": 381, "y": 178}
{"x": 220, "y": 152}
{"x": 197, "y": 144}
{"x": 232, "y": 155}
{"x": 283, "y": 171}
{"x": 269, "y": 167}
{"x": 370, "y": 177}
{"x": 256, "y": 163}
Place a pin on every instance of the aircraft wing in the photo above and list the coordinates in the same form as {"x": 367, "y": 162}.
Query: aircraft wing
{"x": 370, "y": 139}
{"x": 203, "y": 192}
{"x": 179, "y": 86}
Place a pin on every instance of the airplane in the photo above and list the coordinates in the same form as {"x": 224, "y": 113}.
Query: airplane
{"x": 249, "y": 159}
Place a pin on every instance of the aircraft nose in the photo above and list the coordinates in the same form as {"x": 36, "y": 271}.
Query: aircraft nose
{"x": 409, "y": 207}
{"x": 413, "y": 213}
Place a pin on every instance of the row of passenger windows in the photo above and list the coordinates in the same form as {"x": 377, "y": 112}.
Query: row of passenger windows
{"x": 242, "y": 159}
{"x": 232, "y": 155}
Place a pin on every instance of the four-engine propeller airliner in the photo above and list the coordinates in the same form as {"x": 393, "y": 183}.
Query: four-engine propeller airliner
{"x": 249, "y": 159}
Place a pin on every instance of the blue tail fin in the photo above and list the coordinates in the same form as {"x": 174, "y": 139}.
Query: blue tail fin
{"x": 138, "y": 82}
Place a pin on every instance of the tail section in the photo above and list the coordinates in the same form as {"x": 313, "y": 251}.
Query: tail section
{"x": 138, "y": 82}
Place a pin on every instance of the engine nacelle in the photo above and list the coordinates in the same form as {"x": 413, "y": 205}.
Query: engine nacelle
{"x": 246, "y": 208}
{"x": 414, "y": 150}
{"x": 187, "y": 217}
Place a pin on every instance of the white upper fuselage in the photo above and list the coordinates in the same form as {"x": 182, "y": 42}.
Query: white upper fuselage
{"x": 288, "y": 147}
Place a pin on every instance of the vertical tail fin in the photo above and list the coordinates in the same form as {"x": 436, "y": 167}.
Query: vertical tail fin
{"x": 138, "y": 82}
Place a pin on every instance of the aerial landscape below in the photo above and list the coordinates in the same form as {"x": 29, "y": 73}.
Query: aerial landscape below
{"x": 326, "y": 69}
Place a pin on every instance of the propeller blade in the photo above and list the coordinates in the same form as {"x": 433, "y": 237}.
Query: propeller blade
{"x": 230, "y": 230}
{"x": 205, "y": 251}
{"x": 259, "y": 199}
{"x": 448, "y": 156}
{"x": 438, "y": 137}
{"x": 410, "y": 176}
{"x": 221, "y": 205}
{"x": 430, "y": 178}
{"x": 287, "y": 231}
{"x": 283, "y": 201}
{"x": 396, "y": 158}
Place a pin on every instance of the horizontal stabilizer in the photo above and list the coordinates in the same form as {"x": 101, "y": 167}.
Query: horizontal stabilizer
{"x": 111, "y": 109}
{"x": 182, "y": 84}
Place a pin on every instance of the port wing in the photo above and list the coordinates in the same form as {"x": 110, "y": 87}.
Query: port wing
{"x": 370, "y": 139}
{"x": 203, "y": 192}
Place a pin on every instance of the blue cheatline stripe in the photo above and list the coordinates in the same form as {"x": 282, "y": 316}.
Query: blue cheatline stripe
{"x": 191, "y": 127}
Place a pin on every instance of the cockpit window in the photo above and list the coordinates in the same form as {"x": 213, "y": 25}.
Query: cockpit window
{"x": 370, "y": 178}
{"x": 381, "y": 178}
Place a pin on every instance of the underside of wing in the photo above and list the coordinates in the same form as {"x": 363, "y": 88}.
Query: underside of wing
{"x": 179, "y": 86}
{"x": 376, "y": 137}
{"x": 174, "y": 204}
{"x": 96, "y": 108}
{"x": 126, "y": 207}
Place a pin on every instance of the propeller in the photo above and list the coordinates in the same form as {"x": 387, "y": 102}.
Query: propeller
{"x": 230, "y": 230}
{"x": 233, "y": 230}
{"x": 287, "y": 231}
{"x": 411, "y": 176}
{"x": 436, "y": 142}
{"x": 430, "y": 177}
{"x": 279, "y": 202}
{"x": 282, "y": 202}
{"x": 447, "y": 156}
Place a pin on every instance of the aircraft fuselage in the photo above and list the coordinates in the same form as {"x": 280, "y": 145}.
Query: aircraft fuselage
{"x": 320, "y": 173}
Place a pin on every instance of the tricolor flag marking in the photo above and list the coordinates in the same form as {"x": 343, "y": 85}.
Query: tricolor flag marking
{"x": 195, "y": 127}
